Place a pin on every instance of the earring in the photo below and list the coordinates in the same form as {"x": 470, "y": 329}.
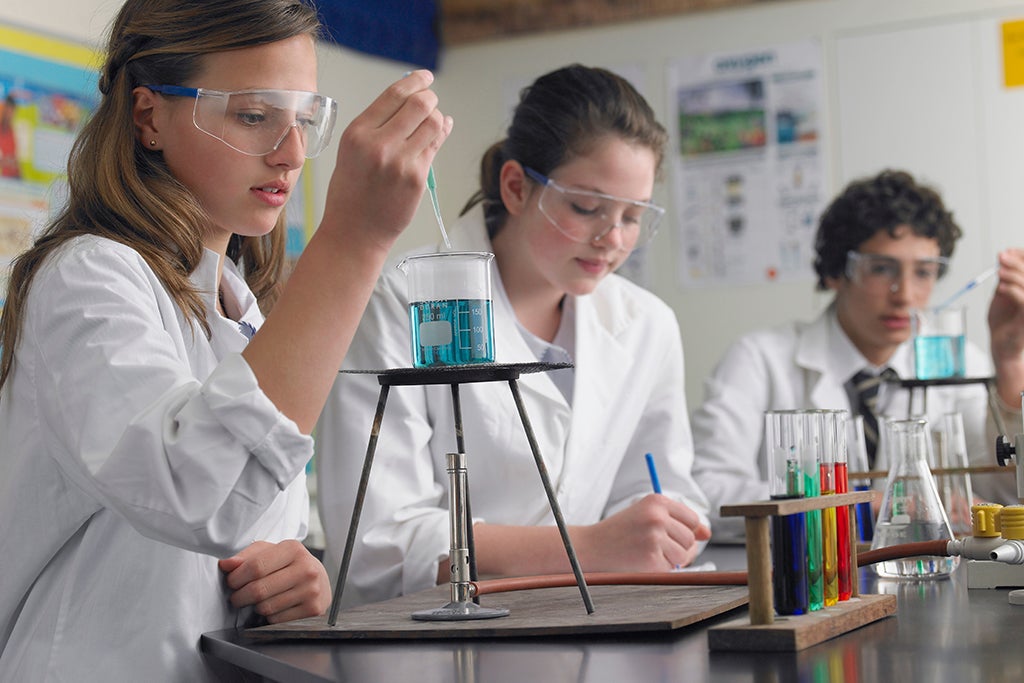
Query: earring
{"x": 152, "y": 143}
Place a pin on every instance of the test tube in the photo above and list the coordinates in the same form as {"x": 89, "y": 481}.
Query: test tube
{"x": 810, "y": 424}
{"x": 843, "y": 569}
{"x": 833, "y": 428}
{"x": 857, "y": 458}
{"x": 783, "y": 441}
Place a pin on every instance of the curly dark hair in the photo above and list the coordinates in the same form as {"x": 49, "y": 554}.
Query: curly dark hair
{"x": 883, "y": 202}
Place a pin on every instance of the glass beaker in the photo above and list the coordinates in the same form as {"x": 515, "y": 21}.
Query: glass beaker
{"x": 954, "y": 487}
{"x": 911, "y": 509}
{"x": 939, "y": 345}
{"x": 450, "y": 308}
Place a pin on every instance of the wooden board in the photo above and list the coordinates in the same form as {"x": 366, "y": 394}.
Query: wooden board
{"x": 790, "y": 634}
{"x": 545, "y": 612}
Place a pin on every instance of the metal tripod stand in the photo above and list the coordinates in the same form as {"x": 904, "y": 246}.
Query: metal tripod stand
{"x": 463, "y": 564}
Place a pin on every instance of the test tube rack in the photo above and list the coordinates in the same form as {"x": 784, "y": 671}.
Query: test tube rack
{"x": 768, "y": 632}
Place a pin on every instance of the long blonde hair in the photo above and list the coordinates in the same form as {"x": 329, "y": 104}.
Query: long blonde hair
{"x": 121, "y": 191}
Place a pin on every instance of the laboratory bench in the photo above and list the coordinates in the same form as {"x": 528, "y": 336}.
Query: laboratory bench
{"x": 942, "y": 632}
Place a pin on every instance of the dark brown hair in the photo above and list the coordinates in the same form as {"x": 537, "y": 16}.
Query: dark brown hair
{"x": 559, "y": 117}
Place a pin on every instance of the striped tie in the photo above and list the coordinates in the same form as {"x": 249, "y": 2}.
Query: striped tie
{"x": 865, "y": 388}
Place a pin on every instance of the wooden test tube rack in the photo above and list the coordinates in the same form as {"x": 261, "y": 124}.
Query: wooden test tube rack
{"x": 766, "y": 632}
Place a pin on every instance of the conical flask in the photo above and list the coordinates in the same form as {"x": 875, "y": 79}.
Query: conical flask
{"x": 911, "y": 508}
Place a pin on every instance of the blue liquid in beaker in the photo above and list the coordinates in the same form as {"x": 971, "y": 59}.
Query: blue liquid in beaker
{"x": 938, "y": 357}
{"x": 451, "y": 332}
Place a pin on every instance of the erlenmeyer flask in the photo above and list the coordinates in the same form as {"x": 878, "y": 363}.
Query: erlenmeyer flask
{"x": 911, "y": 509}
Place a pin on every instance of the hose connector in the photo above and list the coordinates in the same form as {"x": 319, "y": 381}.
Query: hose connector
{"x": 974, "y": 547}
{"x": 1010, "y": 552}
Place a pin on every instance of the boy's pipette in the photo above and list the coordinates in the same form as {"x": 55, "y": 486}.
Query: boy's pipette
{"x": 971, "y": 284}
{"x": 432, "y": 189}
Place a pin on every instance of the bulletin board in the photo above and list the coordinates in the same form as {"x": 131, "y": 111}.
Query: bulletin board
{"x": 47, "y": 91}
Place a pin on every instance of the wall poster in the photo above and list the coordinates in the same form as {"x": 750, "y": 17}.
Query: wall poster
{"x": 748, "y": 164}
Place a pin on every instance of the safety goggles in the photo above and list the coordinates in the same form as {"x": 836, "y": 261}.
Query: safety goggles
{"x": 880, "y": 273}
{"x": 255, "y": 122}
{"x": 584, "y": 216}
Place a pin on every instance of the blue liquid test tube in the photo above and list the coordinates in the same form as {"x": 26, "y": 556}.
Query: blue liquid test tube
{"x": 789, "y": 562}
{"x": 789, "y": 532}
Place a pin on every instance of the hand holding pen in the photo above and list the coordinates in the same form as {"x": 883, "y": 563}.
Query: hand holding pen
{"x": 653, "y": 471}
{"x": 700, "y": 532}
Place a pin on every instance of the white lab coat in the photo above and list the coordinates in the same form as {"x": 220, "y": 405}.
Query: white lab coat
{"x": 628, "y": 400}
{"x": 134, "y": 452}
{"x": 805, "y": 365}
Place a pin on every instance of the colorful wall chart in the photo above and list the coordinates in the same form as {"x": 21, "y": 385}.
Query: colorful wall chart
{"x": 47, "y": 91}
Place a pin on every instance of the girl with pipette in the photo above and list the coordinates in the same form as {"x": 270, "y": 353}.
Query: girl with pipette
{"x": 154, "y": 426}
{"x": 563, "y": 201}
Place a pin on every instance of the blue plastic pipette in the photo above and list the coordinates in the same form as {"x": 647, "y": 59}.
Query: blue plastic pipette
{"x": 971, "y": 284}
{"x": 432, "y": 189}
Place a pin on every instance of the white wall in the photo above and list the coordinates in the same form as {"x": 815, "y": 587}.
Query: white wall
{"x": 911, "y": 84}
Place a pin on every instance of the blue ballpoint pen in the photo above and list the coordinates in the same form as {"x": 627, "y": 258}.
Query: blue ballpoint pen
{"x": 653, "y": 472}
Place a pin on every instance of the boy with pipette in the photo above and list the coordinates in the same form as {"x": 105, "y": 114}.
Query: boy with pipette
{"x": 881, "y": 247}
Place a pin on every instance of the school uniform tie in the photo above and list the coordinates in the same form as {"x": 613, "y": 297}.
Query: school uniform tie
{"x": 865, "y": 388}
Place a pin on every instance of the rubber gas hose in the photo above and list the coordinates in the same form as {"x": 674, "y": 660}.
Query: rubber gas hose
{"x": 734, "y": 578}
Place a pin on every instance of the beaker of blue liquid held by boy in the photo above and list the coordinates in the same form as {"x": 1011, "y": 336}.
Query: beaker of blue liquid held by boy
{"x": 450, "y": 308}
{"x": 939, "y": 341}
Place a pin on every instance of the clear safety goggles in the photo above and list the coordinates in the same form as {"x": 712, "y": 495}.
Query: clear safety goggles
{"x": 256, "y": 122}
{"x": 584, "y": 216}
{"x": 880, "y": 273}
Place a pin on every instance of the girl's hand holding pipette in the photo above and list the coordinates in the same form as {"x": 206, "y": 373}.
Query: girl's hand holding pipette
{"x": 377, "y": 184}
{"x": 1006, "y": 327}
{"x": 383, "y": 159}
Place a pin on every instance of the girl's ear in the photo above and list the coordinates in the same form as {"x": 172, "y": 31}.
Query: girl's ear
{"x": 145, "y": 106}
{"x": 514, "y": 186}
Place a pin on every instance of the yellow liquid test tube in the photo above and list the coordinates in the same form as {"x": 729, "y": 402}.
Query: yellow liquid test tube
{"x": 828, "y": 548}
{"x": 831, "y": 437}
